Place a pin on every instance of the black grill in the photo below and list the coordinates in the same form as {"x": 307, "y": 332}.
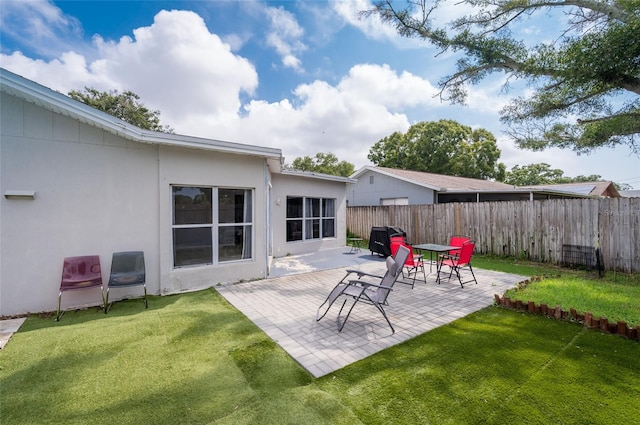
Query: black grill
{"x": 379, "y": 240}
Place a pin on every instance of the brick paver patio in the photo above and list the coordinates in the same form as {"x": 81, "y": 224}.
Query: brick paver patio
{"x": 285, "y": 309}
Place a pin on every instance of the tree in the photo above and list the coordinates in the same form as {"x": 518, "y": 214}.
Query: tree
{"x": 586, "y": 80}
{"x": 126, "y": 106}
{"x": 542, "y": 173}
{"x": 325, "y": 163}
{"x": 443, "y": 147}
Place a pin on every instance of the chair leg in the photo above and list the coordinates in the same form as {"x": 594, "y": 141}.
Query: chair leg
{"x": 104, "y": 300}
{"x": 459, "y": 277}
{"x": 379, "y": 307}
{"x": 473, "y": 274}
{"x": 355, "y": 301}
{"x": 333, "y": 296}
{"x": 146, "y": 303}
{"x": 107, "y": 306}
{"x": 59, "y": 314}
{"x": 376, "y": 305}
{"x": 409, "y": 271}
{"x": 340, "y": 326}
{"x": 424, "y": 274}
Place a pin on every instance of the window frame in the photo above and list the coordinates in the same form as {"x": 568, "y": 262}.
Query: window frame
{"x": 215, "y": 225}
{"x": 312, "y": 219}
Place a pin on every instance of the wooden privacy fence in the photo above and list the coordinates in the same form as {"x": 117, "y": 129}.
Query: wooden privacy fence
{"x": 534, "y": 230}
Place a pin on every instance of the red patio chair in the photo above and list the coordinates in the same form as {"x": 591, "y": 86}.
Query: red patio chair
{"x": 457, "y": 263}
{"x": 457, "y": 240}
{"x": 414, "y": 262}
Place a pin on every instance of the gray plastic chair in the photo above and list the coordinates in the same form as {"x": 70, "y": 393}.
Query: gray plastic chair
{"x": 127, "y": 269}
{"x": 364, "y": 290}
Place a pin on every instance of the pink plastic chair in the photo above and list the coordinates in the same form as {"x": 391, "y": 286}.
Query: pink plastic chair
{"x": 79, "y": 273}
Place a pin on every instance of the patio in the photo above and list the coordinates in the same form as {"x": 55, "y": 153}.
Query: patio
{"x": 284, "y": 307}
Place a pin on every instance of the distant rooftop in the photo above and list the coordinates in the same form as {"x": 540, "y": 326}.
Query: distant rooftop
{"x": 599, "y": 188}
{"x": 438, "y": 182}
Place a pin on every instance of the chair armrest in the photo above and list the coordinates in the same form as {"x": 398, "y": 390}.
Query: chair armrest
{"x": 365, "y": 283}
{"x": 449, "y": 256}
{"x": 360, "y": 273}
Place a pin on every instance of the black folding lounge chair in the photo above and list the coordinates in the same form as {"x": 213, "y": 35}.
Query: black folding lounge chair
{"x": 362, "y": 290}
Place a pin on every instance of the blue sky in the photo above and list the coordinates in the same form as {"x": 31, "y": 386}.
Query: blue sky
{"x": 305, "y": 77}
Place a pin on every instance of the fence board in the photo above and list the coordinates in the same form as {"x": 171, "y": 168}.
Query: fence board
{"x": 529, "y": 229}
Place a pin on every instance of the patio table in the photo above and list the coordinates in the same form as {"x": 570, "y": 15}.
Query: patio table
{"x": 355, "y": 244}
{"x": 434, "y": 247}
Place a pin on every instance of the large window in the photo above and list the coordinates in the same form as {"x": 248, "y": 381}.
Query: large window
{"x": 310, "y": 218}
{"x": 195, "y": 229}
{"x": 235, "y": 212}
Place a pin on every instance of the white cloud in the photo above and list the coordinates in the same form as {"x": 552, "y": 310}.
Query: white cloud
{"x": 39, "y": 26}
{"x": 284, "y": 36}
{"x": 372, "y": 27}
{"x": 346, "y": 119}
{"x": 175, "y": 65}
{"x": 178, "y": 67}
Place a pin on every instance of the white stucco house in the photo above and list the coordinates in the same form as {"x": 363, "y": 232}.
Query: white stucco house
{"x": 391, "y": 186}
{"x": 76, "y": 181}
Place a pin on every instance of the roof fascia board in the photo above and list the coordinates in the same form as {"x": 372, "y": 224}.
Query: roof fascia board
{"x": 539, "y": 191}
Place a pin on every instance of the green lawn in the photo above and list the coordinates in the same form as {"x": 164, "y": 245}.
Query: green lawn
{"x": 614, "y": 296}
{"x": 194, "y": 359}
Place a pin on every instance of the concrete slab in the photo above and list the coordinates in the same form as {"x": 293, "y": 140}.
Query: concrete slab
{"x": 7, "y": 328}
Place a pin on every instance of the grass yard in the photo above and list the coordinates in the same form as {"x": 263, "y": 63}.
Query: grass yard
{"x": 194, "y": 359}
{"x": 615, "y": 296}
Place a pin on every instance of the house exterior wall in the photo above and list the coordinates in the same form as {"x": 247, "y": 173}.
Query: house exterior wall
{"x": 366, "y": 193}
{"x": 97, "y": 193}
{"x": 209, "y": 169}
{"x": 287, "y": 185}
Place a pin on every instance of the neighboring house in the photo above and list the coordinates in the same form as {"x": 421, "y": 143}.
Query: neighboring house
{"x": 634, "y": 193}
{"x": 390, "y": 186}
{"x": 77, "y": 181}
{"x": 600, "y": 188}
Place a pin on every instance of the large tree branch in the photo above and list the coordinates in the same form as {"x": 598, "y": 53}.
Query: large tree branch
{"x": 630, "y": 114}
{"x": 506, "y": 8}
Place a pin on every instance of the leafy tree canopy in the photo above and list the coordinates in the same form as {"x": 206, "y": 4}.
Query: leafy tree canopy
{"x": 586, "y": 78}
{"x": 443, "y": 147}
{"x": 325, "y": 163}
{"x": 542, "y": 173}
{"x": 126, "y": 106}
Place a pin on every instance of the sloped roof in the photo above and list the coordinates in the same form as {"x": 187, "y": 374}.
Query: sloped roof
{"x": 634, "y": 193}
{"x": 439, "y": 182}
{"x": 599, "y": 188}
{"x": 54, "y": 101}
